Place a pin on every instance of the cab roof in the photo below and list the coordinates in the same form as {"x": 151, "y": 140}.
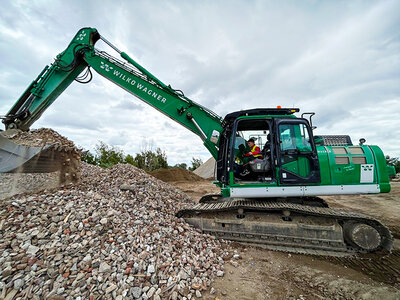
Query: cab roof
{"x": 231, "y": 117}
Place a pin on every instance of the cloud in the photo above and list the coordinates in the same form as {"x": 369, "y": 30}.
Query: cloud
{"x": 339, "y": 59}
{"x": 127, "y": 105}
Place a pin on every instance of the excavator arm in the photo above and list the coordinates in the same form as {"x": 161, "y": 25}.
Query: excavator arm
{"x": 137, "y": 81}
{"x": 124, "y": 72}
{"x": 51, "y": 82}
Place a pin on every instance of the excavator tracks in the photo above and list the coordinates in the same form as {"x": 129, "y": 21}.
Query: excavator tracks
{"x": 290, "y": 227}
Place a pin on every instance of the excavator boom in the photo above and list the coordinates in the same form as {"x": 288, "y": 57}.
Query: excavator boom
{"x": 126, "y": 73}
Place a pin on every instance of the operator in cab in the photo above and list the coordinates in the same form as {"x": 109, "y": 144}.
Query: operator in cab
{"x": 254, "y": 150}
{"x": 249, "y": 156}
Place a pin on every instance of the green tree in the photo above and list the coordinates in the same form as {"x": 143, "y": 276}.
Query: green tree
{"x": 130, "y": 160}
{"x": 149, "y": 160}
{"x": 196, "y": 162}
{"x": 181, "y": 166}
{"x": 108, "y": 155}
{"x": 161, "y": 159}
{"x": 89, "y": 157}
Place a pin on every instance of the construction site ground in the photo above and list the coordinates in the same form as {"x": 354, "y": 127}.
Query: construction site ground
{"x": 239, "y": 271}
{"x": 264, "y": 274}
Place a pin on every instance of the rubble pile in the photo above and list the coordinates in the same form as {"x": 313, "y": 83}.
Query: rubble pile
{"x": 41, "y": 137}
{"x": 17, "y": 183}
{"x": 95, "y": 240}
{"x": 60, "y": 155}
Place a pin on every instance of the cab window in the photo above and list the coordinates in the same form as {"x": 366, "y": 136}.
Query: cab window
{"x": 294, "y": 137}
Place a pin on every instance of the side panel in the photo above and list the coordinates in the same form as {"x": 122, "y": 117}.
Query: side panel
{"x": 345, "y": 163}
{"x": 353, "y": 165}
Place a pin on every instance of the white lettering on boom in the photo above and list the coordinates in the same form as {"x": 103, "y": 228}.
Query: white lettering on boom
{"x": 139, "y": 86}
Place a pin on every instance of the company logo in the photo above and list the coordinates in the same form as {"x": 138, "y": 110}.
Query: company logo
{"x": 81, "y": 36}
{"x": 106, "y": 67}
{"x": 132, "y": 83}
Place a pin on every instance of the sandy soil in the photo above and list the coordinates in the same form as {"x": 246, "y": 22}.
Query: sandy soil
{"x": 265, "y": 274}
{"x": 197, "y": 189}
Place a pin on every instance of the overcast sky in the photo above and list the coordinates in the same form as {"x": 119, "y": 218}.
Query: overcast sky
{"x": 340, "y": 59}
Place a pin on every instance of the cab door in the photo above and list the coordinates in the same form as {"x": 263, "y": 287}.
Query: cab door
{"x": 297, "y": 158}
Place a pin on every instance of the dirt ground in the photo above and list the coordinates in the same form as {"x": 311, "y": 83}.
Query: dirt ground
{"x": 256, "y": 273}
{"x": 197, "y": 189}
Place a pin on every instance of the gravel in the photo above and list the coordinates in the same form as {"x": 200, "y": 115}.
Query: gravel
{"x": 40, "y": 137}
{"x": 94, "y": 239}
{"x": 17, "y": 183}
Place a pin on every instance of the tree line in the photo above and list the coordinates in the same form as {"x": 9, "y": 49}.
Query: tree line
{"x": 106, "y": 156}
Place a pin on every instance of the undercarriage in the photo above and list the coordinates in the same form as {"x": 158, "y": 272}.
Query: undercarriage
{"x": 289, "y": 224}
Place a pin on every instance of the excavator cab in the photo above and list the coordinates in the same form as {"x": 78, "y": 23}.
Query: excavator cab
{"x": 288, "y": 150}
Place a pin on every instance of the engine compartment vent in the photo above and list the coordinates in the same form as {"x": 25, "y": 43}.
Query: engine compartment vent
{"x": 335, "y": 140}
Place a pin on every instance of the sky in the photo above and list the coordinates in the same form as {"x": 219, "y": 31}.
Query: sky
{"x": 339, "y": 59}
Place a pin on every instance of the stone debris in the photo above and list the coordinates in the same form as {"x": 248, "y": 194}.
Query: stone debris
{"x": 40, "y": 137}
{"x": 136, "y": 292}
{"x": 94, "y": 240}
{"x": 220, "y": 273}
{"x": 68, "y": 158}
{"x": 19, "y": 283}
{"x": 16, "y": 183}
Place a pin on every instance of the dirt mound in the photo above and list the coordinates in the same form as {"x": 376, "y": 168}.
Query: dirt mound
{"x": 175, "y": 174}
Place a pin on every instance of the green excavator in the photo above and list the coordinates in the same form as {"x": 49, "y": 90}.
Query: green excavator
{"x": 271, "y": 198}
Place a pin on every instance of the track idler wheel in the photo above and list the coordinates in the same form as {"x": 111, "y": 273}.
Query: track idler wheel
{"x": 362, "y": 236}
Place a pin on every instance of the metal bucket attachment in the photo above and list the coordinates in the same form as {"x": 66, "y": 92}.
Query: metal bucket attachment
{"x": 15, "y": 158}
